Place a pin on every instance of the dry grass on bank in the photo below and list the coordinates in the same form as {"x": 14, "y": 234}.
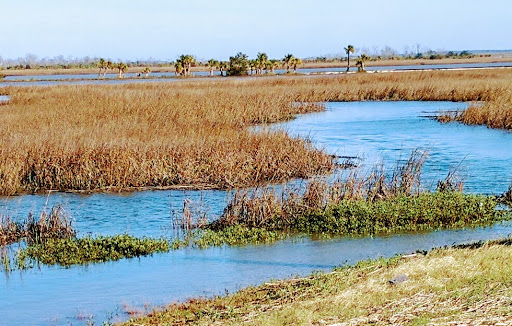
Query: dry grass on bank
{"x": 194, "y": 133}
{"x": 446, "y": 287}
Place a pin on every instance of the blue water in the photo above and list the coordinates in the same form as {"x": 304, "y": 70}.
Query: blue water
{"x": 372, "y": 130}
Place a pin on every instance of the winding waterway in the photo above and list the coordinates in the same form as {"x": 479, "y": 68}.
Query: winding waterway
{"x": 374, "y": 131}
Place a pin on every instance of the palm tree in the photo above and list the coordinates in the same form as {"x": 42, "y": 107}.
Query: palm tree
{"x": 253, "y": 66}
{"x": 287, "y": 61}
{"x": 102, "y": 65}
{"x": 269, "y": 65}
{"x": 296, "y": 62}
{"x": 179, "y": 68}
{"x": 187, "y": 61}
{"x": 110, "y": 65}
{"x": 222, "y": 67}
{"x": 122, "y": 68}
{"x": 273, "y": 65}
{"x": 349, "y": 49}
{"x": 360, "y": 62}
{"x": 212, "y": 64}
{"x": 261, "y": 60}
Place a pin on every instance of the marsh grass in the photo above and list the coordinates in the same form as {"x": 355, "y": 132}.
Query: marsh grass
{"x": 193, "y": 133}
{"x": 104, "y": 138}
{"x": 467, "y": 285}
{"x": 495, "y": 114}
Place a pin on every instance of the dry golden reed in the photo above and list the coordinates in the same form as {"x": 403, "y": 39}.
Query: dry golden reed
{"x": 192, "y": 133}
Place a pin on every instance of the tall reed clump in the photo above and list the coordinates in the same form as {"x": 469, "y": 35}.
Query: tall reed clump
{"x": 53, "y": 225}
{"x": 10, "y": 231}
{"x": 507, "y": 196}
{"x": 112, "y": 137}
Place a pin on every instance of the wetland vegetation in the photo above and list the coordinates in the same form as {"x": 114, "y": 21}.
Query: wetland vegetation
{"x": 53, "y": 225}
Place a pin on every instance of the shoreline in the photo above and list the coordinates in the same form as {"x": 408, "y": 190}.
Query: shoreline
{"x": 468, "y": 283}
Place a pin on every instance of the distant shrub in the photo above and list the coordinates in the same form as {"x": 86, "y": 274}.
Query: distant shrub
{"x": 238, "y": 65}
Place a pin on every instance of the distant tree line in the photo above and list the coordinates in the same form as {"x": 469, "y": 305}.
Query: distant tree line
{"x": 239, "y": 64}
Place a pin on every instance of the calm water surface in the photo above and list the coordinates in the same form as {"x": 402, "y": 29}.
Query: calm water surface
{"x": 383, "y": 131}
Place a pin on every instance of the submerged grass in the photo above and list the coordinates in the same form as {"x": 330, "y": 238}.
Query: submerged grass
{"x": 112, "y": 137}
{"x": 72, "y": 251}
{"x": 471, "y": 285}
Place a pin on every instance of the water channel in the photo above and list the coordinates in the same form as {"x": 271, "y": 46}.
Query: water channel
{"x": 374, "y": 131}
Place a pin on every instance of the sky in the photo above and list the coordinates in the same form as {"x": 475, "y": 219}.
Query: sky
{"x": 164, "y": 29}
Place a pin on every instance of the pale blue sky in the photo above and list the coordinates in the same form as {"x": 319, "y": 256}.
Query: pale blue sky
{"x": 124, "y": 29}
